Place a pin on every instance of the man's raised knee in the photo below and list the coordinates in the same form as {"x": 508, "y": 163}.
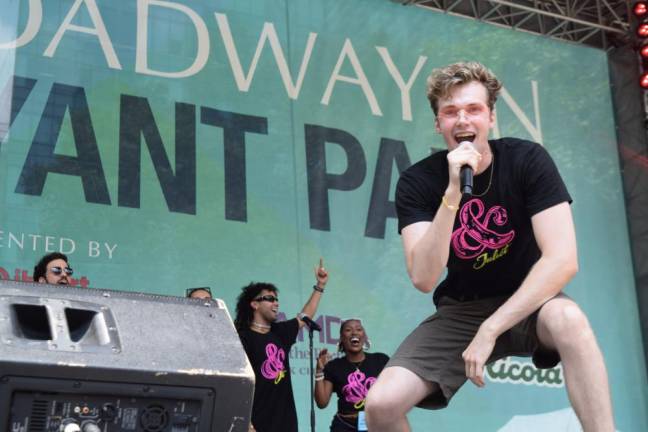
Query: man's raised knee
{"x": 375, "y": 405}
{"x": 566, "y": 321}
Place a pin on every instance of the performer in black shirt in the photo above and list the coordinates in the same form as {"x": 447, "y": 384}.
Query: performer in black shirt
{"x": 509, "y": 250}
{"x": 267, "y": 344}
{"x": 350, "y": 377}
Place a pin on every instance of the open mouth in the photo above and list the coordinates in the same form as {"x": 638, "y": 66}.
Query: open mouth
{"x": 464, "y": 136}
{"x": 354, "y": 341}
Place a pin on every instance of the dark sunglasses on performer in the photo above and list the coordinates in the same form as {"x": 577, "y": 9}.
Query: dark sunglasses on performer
{"x": 58, "y": 271}
{"x": 268, "y": 298}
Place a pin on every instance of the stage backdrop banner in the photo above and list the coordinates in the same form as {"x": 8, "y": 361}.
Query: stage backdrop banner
{"x": 172, "y": 144}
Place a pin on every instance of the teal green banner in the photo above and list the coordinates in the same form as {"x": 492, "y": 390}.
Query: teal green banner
{"x": 165, "y": 145}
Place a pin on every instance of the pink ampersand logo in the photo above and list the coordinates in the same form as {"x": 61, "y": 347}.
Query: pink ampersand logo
{"x": 356, "y": 390}
{"x": 475, "y": 233}
{"x": 273, "y": 366}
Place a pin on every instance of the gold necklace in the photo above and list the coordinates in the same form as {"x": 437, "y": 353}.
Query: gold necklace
{"x": 490, "y": 177}
{"x": 262, "y": 326}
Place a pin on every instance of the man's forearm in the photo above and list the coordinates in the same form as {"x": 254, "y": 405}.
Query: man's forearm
{"x": 311, "y": 305}
{"x": 545, "y": 280}
{"x": 428, "y": 247}
{"x": 428, "y": 259}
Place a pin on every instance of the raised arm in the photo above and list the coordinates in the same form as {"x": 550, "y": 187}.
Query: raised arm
{"x": 321, "y": 278}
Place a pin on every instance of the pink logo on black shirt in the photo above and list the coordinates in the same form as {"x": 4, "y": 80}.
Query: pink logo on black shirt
{"x": 356, "y": 390}
{"x": 273, "y": 366}
{"x": 476, "y": 233}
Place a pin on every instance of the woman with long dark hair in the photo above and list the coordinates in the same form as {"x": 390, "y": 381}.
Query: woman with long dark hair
{"x": 349, "y": 376}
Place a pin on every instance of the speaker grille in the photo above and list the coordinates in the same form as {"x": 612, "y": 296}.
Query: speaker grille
{"x": 38, "y": 416}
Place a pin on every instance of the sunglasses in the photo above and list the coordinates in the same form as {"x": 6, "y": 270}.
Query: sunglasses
{"x": 268, "y": 298}
{"x": 59, "y": 271}
{"x": 190, "y": 291}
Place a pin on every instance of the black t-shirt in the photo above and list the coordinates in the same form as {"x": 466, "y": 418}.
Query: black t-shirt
{"x": 351, "y": 383}
{"x": 274, "y": 404}
{"x": 492, "y": 247}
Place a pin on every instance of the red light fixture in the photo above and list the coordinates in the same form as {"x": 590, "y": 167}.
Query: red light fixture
{"x": 644, "y": 51}
{"x": 642, "y": 30}
{"x": 640, "y": 20}
{"x": 643, "y": 80}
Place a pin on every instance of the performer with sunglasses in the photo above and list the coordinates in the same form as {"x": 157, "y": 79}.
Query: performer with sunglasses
{"x": 53, "y": 269}
{"x": 349, "y": 377}
{"x": 508, "y": 244}
{"x": 267, "y": 344}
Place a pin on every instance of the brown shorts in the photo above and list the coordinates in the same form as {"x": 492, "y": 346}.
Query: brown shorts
{"x": 433, "y": 350}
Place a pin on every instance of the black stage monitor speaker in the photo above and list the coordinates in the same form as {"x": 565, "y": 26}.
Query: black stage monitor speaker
{"x": 92, "y": 360}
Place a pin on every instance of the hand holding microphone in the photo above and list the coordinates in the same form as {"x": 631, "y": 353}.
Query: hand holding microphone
{"x": 466, "y": 180}
{"x": 466, "y": 173}
{"x": 309, "y": 322}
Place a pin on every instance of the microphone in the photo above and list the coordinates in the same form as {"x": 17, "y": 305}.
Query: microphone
{"x": 309, "y": 322}
{"x": 466, "y": 177}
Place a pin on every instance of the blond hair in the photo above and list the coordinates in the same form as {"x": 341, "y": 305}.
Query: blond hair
{"x": 441, "y": 81}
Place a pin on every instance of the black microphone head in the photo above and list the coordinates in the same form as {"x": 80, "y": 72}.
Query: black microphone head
{"x": 309, "y": 322}
{"x": 466, "y": 179}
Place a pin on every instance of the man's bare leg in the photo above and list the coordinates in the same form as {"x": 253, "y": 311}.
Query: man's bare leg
{"x": 564, "y": 327}
{"x": 392, "y": 396}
